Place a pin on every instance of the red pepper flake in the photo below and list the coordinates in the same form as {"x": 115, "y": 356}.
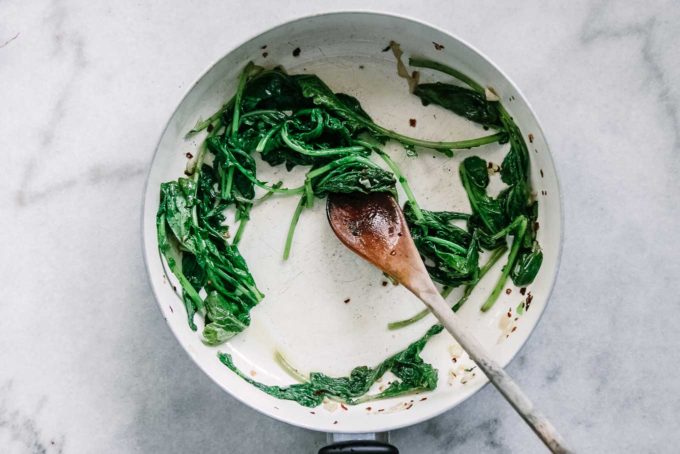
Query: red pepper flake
{"x": 343, "y": 406}
{"x": 530, "y": 298}
{"x": 536, "y": 226}
{"x": 454, "y": 359}
{"x": 369, "y": 408}
{"x": 253, "y": 373}
{"x": 437, "y": 46}
{"x": 335, "y": 422}
{"x": 508, "y": 291}
{"x": 412, "y": 122}
{"x": 409, "y": 406}
{"x": 541, "y": 170}
{"x": 381, "y": 409}
{"x": 509, "y": 312}
{"x": 265, "y": 54}
{"x": 296, "y": 53}
{"x": 188, "y": 155}
{"x": 312, "y": 412}
{"x": 346, "y": 301}
{"x": 174, "y": 287}
{"x": 422, "y": 399}
{"x": 531, "y": 138}
{"x": 384, "y": 283}
{"x": 514, "y": 328}
{"x": 523, "y": 291}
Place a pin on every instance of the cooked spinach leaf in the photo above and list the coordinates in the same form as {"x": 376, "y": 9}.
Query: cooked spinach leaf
{"x": 463, "y": 101}
{"x": 513, "y": 212}
{"x": 411, "y": 372}
{"x": 297, "y": 120}
{"x": 208, "y": 263}
{"x": 315, "y": 89}
{"x": 450, "y": 253}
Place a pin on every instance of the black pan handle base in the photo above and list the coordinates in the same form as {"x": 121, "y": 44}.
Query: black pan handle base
{"x": 359, "y": 447}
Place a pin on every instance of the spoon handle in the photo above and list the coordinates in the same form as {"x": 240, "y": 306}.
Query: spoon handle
{"x": 494, "y": 372}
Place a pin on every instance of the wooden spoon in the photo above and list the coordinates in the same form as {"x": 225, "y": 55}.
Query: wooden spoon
{"x": 373, "y": 226}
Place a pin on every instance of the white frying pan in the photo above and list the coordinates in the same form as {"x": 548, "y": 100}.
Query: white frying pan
{"x": 304, "y": 314}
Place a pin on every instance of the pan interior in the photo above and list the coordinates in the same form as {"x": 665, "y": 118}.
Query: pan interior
{"x": 326, "y": 309}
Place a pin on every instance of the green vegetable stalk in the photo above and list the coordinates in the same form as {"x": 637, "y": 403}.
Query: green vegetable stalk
{"x": 297, "y": 120}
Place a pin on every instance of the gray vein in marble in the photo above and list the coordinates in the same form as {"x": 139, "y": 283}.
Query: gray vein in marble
{"x": 95, "y": 175}
{"x": 597, "y": 28}
{"x": 66, "y": 43}
{"x": 22, "y": 429}
{"x": 64, "y": 38}
{"x": 10, "y": 40}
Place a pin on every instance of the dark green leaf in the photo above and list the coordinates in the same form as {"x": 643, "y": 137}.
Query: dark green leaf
{"x": 515, "y": 165}
{"x": 178, "y": 202}
{"x": 527, "y": 266}
{"x": 514, "y": 200}
{"x": 450, "y": 253}
{"x": 476, "y": 171}
{"x": 222, "y": 319}
{"x": 273, "y": 89}
{"x": 488, "y": 213}
{"x": 462, "y": 101}
{"x": 354, "y": 177}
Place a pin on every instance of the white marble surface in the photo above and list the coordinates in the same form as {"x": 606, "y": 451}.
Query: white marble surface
{"x": 86, "y": 361}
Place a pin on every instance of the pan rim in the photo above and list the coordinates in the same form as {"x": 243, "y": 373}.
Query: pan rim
{"x": 146, "y": 238}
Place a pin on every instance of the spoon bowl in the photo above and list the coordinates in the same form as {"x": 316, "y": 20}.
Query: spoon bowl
{"x": 373, "y": 226}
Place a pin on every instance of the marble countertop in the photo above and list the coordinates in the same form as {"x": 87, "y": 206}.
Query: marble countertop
{"x": 87, "y": 363}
